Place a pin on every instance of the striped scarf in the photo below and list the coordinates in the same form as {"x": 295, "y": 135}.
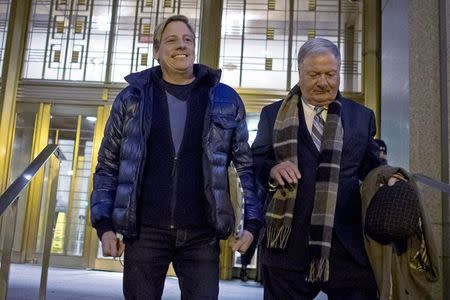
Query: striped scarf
{"x": 280, "y": 211}
{"x": 281, "y": 208}
{"x": 327, "y": 180}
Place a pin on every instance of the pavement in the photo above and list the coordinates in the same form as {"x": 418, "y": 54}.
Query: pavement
{"x": 74, "y": 284}
{"x": 77, "y": 284}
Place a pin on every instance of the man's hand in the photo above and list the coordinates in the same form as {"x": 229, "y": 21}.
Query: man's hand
{"x": 285, "y": 172}
{"x": 392, "y": 180}
{"x": 241, "y": 245}
{"x": 111, "y": 245}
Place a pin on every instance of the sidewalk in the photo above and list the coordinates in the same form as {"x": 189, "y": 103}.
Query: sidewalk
{"x": 76, "y": 284}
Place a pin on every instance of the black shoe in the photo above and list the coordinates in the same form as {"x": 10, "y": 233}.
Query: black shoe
{"x": 243, "y": 274}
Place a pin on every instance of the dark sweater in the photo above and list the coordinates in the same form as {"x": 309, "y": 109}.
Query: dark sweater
{"x": 172, "y": 191}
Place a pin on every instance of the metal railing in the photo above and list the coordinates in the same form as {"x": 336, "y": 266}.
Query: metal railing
{"x": 442, "y": 186}
{"x": 9, "y": 200}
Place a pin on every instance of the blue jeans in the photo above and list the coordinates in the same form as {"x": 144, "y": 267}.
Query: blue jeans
{"x": 194, "y": 254}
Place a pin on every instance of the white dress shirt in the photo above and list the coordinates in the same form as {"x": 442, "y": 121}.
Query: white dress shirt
{"x": 309, "y": 113}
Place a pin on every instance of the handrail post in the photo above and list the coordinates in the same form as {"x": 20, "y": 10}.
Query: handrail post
{"x": 49, "y": 228}
{"x": 8, "y": 205}
{"x": 8, "y": 241}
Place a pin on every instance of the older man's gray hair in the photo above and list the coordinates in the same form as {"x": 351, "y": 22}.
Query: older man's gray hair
{"x": 318, "y": 46}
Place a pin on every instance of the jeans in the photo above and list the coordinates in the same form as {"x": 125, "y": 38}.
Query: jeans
{"x": 194, "y": 254}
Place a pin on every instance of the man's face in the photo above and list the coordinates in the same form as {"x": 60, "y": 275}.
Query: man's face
{"x": 319, "y": 79}
{"x": 382, "y": 155}
{"x": 176, "y": 53}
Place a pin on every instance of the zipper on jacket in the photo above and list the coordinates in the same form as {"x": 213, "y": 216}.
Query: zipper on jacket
{"x": 132, "y": 224}
{"x": 174, "y": 192}
{"x": 175, "y": 159}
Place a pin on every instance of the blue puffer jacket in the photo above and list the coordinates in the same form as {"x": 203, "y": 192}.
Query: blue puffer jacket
{"x": 122, "y": 155}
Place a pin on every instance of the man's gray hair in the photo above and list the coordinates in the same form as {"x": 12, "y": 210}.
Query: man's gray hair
{"x": 159, "y": 30}
{"x": 318, "y": 46}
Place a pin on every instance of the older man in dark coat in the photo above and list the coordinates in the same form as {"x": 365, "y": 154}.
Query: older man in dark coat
{"x": 311, "y": 151}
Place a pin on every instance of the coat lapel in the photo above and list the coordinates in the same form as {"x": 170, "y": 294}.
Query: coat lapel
{"x": 345, "y": 125}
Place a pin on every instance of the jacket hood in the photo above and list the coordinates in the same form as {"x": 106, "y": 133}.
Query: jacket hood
{"x": 202, "y": 73}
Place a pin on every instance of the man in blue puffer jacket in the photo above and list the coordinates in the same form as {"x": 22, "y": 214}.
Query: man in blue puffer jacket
{"x": 161, "y": 179}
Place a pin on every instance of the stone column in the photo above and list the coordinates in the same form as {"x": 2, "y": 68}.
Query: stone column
{"x": 428, "y": 119}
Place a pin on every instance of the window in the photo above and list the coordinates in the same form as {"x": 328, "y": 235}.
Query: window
{"x": 255, "y": 40}
{"x": 68, "y": 40}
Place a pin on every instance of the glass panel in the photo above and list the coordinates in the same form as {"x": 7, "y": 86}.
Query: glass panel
{"x": 80, "y": 201}
{"x": 21, "y": 158}
{"x": 261, "y": 35}
{"x": 136, "y": 21}
{"x": 72, "y": 187}
{"x": 4, "y": 19}
{"x": 351, "y": 40}
{"x": 66, "y": 128}
{"x": 231, "y": 42}
{"x": 252, "y": 125}
{"x": 340, "y": 23}
{"x": 46, "y": 193}
{"x": 97, "y": 46}
{"x": 68, "y": 40}
{"x": 266, "y": 38}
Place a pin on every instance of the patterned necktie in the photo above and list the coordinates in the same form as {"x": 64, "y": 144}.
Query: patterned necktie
{"x": 317, "y": 127}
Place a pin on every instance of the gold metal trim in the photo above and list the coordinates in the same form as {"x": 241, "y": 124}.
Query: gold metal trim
{"x": 72, "y": 185}
{"x": 79, "y": 25}
{"x": 75, "y": 56}
{"x": 57, "y": 56}
{"x": 59, "y": 26}
{"x": 146, "y": 29}
{"x": 271, "y": 5}
{"x": 167, "y": 3}
{"x": 268, "y": 64}
{"x": 144, "y": 59}
{"x": 34, "y": 195}
{"x": 270, "y": 33}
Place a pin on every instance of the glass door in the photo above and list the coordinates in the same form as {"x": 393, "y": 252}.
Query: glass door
{"x": 74, "y": 133}
{"x": 96, "y": 258}
{"x": 78, "y": 131}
